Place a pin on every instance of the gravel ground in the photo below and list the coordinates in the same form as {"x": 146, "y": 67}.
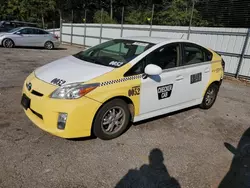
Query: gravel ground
{"x": 191, "y": 141}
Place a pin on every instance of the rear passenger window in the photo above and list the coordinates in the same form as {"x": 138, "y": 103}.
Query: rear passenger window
{"x": 193, "y": 54}
{"x": 40, "y": 32}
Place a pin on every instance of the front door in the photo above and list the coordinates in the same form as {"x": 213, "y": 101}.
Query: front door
{"x": 163, "y": 91}
{"x": 24, "y": 38}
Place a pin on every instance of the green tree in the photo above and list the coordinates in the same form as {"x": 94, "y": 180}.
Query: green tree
{"x": 39, "y": 8}
{"x": 138, "y": 17}
{"x": 105, "y": 18}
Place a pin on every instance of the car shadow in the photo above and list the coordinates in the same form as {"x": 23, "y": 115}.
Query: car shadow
{"x": 136, "y": 124}
{"x": 152, "y": 175}
{"x": 238, "y": 175}
{"x": 92, "y": 137}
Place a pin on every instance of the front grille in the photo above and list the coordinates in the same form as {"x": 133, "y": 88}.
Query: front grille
{"x": 34, "y": 92}
{"x": 37, "y": 114}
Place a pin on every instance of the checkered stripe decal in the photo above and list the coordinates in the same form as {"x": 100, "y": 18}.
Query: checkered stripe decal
{"x": 120, "y": 80}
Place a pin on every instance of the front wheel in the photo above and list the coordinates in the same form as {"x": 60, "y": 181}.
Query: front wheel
{"x": 111, "y": 120}
{"x": 8, "y": 43}
{"x": 210, "y": 96}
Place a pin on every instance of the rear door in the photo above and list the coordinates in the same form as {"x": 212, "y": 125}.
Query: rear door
{"x": 40, "y": 37}
{"x": 197, "y": 71}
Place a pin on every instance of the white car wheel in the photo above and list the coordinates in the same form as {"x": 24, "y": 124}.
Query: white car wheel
{"x": 49, "y": 45}
{"x": 8, "y": 43}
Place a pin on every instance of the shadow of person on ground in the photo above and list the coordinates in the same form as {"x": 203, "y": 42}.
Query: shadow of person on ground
{"x": 152, "y": 175}
{"x": 238, "y": 175}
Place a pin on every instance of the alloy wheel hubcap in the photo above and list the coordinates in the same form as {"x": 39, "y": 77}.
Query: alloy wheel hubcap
{"x": 210, "y": 96}
{"x": 49, "y": 45}
{"x": 8, "y": 43}
{"x": 113, "y": 120}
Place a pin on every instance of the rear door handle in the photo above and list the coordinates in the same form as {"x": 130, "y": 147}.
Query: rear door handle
{"x": 179, "y": 78}
{"x": 207, "y": 70}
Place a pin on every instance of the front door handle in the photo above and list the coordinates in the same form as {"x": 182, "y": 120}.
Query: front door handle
{"x": 179, "y": 78}
{"x": 207, "y": 70}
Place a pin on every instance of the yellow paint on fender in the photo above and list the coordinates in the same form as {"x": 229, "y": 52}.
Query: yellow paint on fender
{"x": 118, "y": 88}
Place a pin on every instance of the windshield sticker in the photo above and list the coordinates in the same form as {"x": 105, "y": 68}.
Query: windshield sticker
{"x": 116, "y": 63}
{"x": 140, "y": 44}
{"x": 58, "y": 82}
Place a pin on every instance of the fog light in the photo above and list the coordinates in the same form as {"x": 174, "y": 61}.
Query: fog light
{"x": 61, "y": 122}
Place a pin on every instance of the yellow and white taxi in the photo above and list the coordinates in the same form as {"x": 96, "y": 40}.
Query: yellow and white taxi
{"x": 102, "y": 89}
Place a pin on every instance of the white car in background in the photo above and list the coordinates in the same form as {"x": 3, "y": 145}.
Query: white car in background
{"x": 29, "y": 37}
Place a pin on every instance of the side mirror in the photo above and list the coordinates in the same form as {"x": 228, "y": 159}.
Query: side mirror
{"x": 18, "y": 33}
{"x": 152, "y": 70}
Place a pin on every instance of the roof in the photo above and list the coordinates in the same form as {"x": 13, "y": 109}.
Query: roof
{"x": 15, "y": 21}
{"x": 154, "y": 40}
{"x": 23, "y": 27}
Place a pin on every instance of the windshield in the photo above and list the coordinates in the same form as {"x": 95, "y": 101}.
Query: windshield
{"x": 13, "y": 30}
{"x": 114, "y": 53}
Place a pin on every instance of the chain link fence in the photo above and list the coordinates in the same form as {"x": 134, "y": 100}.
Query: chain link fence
{"x": 220, "y": 25}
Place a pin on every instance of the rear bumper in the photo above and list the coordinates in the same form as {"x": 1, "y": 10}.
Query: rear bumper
{"x": 44, "y": 111}
{"x": 56, "y": 44}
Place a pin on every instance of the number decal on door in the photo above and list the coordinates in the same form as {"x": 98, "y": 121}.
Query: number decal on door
{"x": 134, "y": 91}
{"x": 164, "y": 91}
{"x": 194, "y": 78}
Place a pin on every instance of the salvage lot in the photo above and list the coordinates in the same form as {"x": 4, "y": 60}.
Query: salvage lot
{"x": 192, "y": 141}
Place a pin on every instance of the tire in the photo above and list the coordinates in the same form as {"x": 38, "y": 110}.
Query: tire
{"x": 108, "y": 126}
{"x": 8, "y": 43}
{"x": 210, "y": 96}
{"x": 49, "y": 45}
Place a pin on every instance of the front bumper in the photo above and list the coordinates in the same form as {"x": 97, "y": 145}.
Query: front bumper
{"x": 44, "y": 111}
{"x": 1, "y": 41}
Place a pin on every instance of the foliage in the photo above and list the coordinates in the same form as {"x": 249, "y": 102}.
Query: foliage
{"x": 179, "y": 14}
{"x": 138, "y": 17}
{"x": 167, "y": 12}
{"x": 105, "y": 18}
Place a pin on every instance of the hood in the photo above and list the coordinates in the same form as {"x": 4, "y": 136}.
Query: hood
{"x": 70, "y": 70}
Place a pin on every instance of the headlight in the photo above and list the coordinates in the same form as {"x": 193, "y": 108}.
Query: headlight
{"x": 73, "y": 91}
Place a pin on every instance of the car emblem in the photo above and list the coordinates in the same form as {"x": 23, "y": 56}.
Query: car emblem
{"x": 29, "y": 86}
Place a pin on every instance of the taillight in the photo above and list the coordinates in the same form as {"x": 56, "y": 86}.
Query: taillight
{"x": 56, "y": 37}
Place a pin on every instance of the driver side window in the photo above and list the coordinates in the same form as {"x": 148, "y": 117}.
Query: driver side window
{"x": 26, "y": 31}
{"x": 166, "y": 57}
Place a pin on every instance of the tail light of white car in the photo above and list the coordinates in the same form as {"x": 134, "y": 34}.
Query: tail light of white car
{"x": 56, "y": 37}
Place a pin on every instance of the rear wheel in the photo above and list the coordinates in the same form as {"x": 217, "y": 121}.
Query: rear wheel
{"x": 8, "y": 43}
{"x": 49, "y": 45}
{"x": 111, "y": 120}
{"x": 210, "y": 96}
